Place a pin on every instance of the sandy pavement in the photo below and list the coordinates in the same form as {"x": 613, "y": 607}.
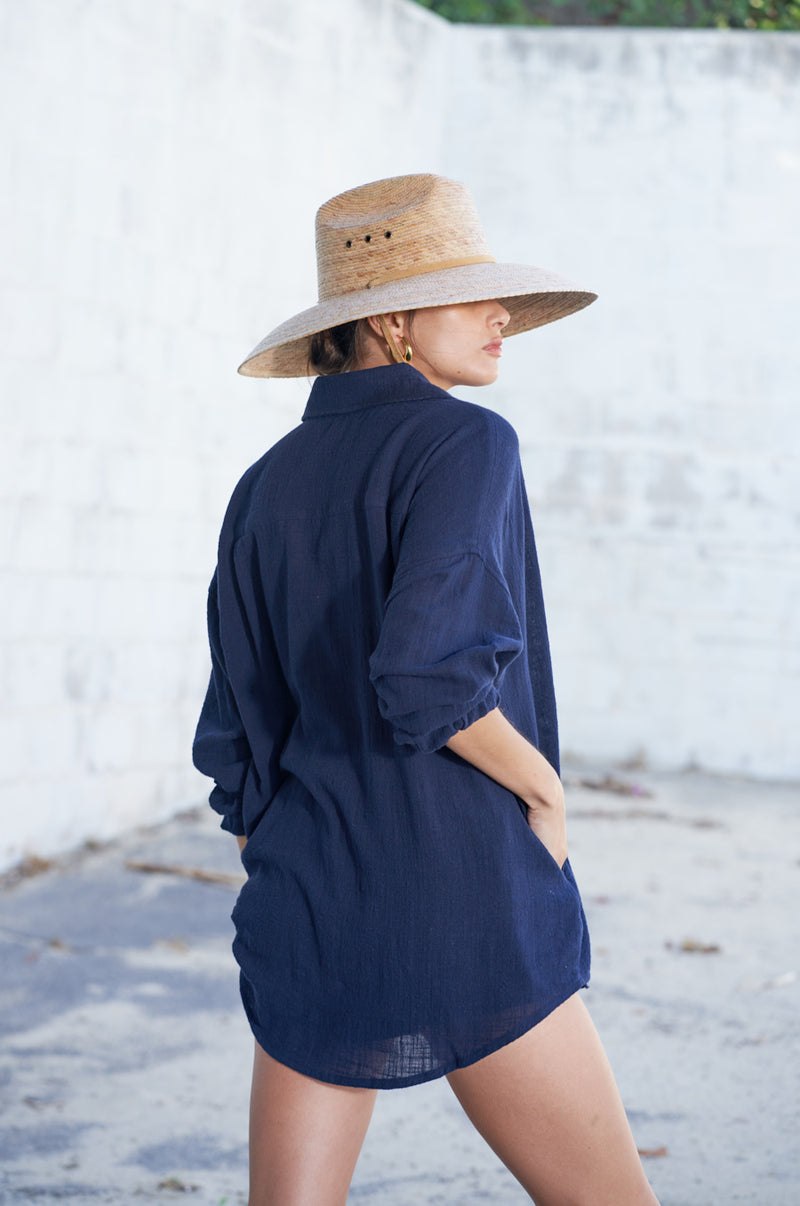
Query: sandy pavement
{"x": 124, "y": 1058}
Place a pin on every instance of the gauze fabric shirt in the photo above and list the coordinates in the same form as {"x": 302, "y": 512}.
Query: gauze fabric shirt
{"x": 377, "y": 590}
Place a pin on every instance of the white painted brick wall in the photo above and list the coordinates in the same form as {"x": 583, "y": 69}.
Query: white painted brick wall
{"x": 164, "y": 162}
{"x": 660, "y": 427}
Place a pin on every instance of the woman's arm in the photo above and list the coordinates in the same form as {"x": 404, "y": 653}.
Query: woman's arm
{"x": 242, "y": 840}
{"x": 494, "y": 746}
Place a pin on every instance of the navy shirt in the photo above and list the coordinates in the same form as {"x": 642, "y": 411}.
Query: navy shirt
{"x": 377, "y": 589}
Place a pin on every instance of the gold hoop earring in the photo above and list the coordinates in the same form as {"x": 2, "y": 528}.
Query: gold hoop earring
{"x": 408, "y": 351}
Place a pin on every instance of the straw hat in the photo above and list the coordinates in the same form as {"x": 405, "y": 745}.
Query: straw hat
{"x": 401, "y": 244}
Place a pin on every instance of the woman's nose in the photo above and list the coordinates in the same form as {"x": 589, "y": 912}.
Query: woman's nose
{"x": 500, "y": 317}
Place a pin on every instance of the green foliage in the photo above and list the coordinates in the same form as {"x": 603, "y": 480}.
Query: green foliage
{"x": 479, "y": 12}
{"x": 691, "y": 14}
{"x": 697, "y": 14}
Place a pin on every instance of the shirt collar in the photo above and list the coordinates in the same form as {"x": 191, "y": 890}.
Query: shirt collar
{"x": 341, "y": 393}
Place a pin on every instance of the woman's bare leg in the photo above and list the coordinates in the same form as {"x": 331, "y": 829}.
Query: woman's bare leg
{"x": 549, "y": 1106}
{"x": 305, "y": 1136}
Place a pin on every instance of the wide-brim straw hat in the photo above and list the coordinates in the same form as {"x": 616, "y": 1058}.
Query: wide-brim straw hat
{"x": 403, "y": 244}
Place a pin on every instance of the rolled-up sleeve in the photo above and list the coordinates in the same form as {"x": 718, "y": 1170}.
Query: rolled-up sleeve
{"x": 449, "y": 632}
{"x": 452, "y": 624}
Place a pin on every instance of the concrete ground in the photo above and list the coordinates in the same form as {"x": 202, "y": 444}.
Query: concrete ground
{"x": 125, "y": 1057}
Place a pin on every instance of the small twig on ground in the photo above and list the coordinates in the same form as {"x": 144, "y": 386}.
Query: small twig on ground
{"x": 641, "y": 814}
{"x": 617, "y": 787}
{"x": 198, "y": 873}
{"x": 620, "y": 814}
{"x": 691, "y": 946}
{"x": 177, "y": 1186}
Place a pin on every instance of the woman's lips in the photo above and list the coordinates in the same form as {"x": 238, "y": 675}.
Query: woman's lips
{"x": 495, "y": 348}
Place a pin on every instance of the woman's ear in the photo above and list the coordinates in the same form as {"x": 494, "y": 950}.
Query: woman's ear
{"x": 390, "y": 329}
{"x": 395, "y": 324}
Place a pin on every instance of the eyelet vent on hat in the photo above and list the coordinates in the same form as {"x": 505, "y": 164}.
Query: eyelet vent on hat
{"x": 433, "y": 220}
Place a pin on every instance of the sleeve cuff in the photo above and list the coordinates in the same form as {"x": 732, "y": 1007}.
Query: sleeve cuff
{"x": 229, "y": 807}
{"x": 435, "y": 739}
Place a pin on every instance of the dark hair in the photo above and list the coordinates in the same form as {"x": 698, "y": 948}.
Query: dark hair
{"x": 339, "y": 349}
{"x": 336, "y": 350}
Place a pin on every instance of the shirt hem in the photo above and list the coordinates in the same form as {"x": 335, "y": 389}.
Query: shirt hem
{"x": 407, "y": 1082}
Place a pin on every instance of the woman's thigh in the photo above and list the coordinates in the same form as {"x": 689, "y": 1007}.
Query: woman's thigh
{"x": 305, "y": 1136}
{"x": 548, "y": 1104}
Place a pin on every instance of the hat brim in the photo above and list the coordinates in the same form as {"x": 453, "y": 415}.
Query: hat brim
{"x": 532, "y": 296}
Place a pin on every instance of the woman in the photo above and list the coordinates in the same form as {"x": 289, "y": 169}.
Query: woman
{"x": 381, "y": 727}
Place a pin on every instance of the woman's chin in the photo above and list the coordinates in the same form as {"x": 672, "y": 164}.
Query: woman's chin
{"x": 485, "y": 375}
{"x": 475, "y": 375}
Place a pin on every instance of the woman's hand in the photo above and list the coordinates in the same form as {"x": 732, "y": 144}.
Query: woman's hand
{"x": 495, "y": 747}
{"x": 547, "y": 819}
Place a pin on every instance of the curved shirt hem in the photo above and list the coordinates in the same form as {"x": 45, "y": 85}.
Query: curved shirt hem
{"x": 418, "y": 1078}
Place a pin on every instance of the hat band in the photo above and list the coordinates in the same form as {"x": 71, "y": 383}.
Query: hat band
{"x": 421, "y": 269}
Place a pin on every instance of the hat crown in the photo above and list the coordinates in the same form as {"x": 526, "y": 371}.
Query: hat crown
{"x": 394, "y": 228}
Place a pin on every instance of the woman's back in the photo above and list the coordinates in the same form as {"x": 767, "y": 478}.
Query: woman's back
{"x": 378, "y": 564}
